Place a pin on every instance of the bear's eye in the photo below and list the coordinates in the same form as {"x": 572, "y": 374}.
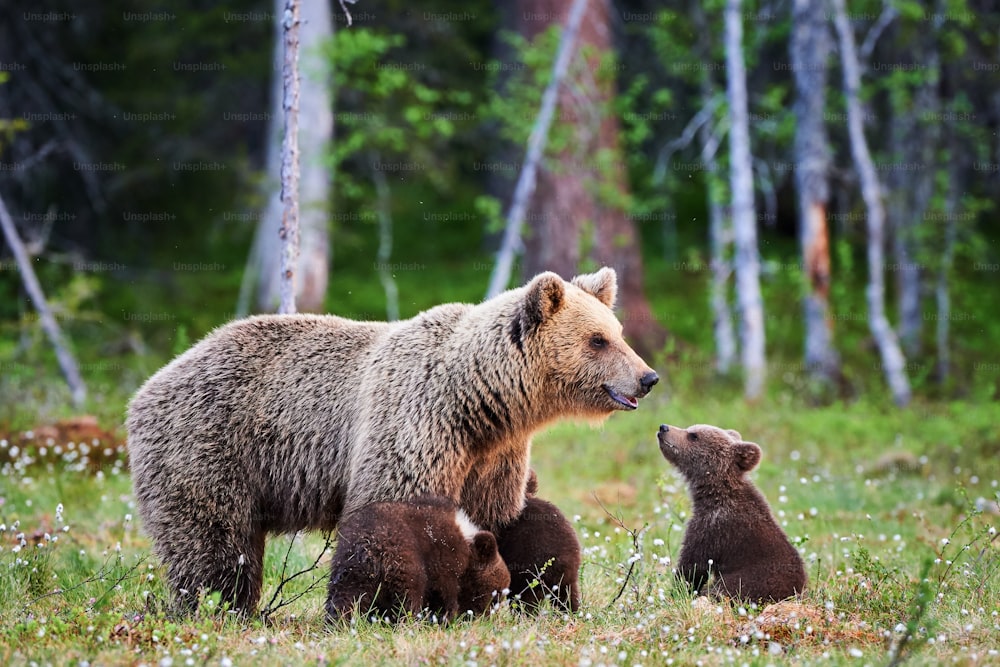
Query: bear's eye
{"x": 693, "y": 437}
{"x": 598, "y": 342}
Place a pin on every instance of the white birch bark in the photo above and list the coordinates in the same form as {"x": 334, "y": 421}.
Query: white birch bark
{"x": 720, "y": 239}
{"x": 67, "y": 362}
{"x": 289, "y": 233}
{"x": 893, "y": 362}
{"x": 747, "y": 261}
{"x": 810, "y": 48}
{"x": 262, "y": 276}
{"x": 384, "y": 256}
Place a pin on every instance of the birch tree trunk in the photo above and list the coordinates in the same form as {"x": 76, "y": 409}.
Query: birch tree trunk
{"x": 744, "y": 220}
{"x": 893, "y": 362}
{"x": 289, "y": 233}
{"x": 720, "y": 238}
{"x": 810, "y": 48}
{"x": 720, "y": 229}
{"x": 942, "y": 296}
{"x": 262, "y": 277}
{"x": 67, "y": 362}
{"x": 383, "y": 260}
{"x": 922, "y": 148}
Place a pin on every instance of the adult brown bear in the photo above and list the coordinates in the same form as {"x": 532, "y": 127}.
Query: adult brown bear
{"x": 285, "y": 422}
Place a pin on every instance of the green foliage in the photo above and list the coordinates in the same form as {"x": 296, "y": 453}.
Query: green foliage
{"x": 385, "y": 112}
{"x": 9, "y": 126}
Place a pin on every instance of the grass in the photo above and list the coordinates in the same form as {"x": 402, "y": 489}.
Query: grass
{"x": 894, "y": 511}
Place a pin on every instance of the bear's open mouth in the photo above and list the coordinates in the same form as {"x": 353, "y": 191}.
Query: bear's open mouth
{"x": 628, "y": 402}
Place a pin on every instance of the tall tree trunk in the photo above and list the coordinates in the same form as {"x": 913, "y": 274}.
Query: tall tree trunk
{"x": 893, "y": 362}
{"x": 720, "y": 238}
{"x": 810, "y": 48}
{"x": 528, "y": 178}
{"x": 315, "y": 132}
{"x": 942, "y": 296}
{"x": 289, "y": 233}
{"x": 908, "y": 198}
{"x": 925, "y": 145}
{"x": 67, "y": 362}
{"x": 566, "y": 207}
{"x": 383, "y": 260}
{"x": 744, "y": 220}
{"x": 720, "y": 229}
{"x": 560, "y": 205}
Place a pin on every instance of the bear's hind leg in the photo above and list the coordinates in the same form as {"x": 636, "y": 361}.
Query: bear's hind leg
{"x": 207, "y": 552}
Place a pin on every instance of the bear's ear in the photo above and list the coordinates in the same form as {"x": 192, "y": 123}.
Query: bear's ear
{"x": 484, "y": 547}
{"x": 603, "y": 285}
{"x": 544, "y": 296}
{"x": 531, "y": 486}
{"x": 747, "y": 455}
{"x": 736, "y": 435}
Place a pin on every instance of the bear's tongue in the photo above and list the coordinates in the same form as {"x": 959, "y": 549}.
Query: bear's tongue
{"x": 629, "y": 402}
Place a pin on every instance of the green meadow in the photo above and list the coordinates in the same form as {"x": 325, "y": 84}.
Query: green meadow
{"x": 894, "y": 511}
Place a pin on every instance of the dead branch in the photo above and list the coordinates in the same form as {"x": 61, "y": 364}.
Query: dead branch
{"x": 67, "y": 362}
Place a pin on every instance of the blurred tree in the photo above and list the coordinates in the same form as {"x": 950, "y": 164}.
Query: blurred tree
{"x": 720, "y": 227}
{"x": 581, "y": 199}
{"x": 893, "y": 362}
{"x": 810, "y": 48}
{"x": 527, "y": 179}
{"x": 67, "y": 362}
{"x": 747, "y": 260}
{"x": 263, "y": 272}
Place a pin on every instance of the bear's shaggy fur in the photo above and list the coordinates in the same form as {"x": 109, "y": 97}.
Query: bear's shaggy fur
{"x": 731, "y": 534}
{"x": 286, "y": 422}
{"x": 411, "y": 556}
{"x": 541, "y": 546}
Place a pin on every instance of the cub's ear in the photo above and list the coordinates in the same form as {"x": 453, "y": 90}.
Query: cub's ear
{"x": 736, "y": 435}
{"x": 603, "y": 285}
{"x": 531, "y": 486}
{"x": 747, "y": 455}
{"x": 484, "y": 547}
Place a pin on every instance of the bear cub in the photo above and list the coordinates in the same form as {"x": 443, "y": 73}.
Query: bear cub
{"x": 397, "y": 558}
{"x": 731, "y": 534}
{"x": 541, "y": 540}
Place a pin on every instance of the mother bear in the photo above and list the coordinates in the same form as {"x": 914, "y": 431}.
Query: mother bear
{"x": 280, "y": 423}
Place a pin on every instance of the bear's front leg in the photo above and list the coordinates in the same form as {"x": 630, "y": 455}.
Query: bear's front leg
{"x": 493, "y": 493}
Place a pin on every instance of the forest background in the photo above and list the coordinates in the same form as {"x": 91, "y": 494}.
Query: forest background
{"x": 138, "y": 165}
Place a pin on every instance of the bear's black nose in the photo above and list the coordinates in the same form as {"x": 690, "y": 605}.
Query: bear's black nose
{"x": 664, "y": 428}
{"x": 648, "y": 380}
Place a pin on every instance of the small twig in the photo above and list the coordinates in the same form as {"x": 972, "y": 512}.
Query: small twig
{"x": 276, "y": 601}
{"x": 636, "y": 536}
{"x": 889, "y": 13}
{"x": 100, "y": 575}
{"x": 347, "y": 12}
{"x": 704, "y": 115}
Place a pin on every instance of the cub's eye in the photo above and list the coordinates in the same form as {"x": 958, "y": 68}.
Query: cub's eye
{"x": 693, "y": 437}
{"x": 598, "y": 342}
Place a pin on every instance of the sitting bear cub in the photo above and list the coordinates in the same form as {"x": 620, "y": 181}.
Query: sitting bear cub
{"x": 731, "y": 534}
{"x": 414, "y": 555}
{"x": 541, "y": 546}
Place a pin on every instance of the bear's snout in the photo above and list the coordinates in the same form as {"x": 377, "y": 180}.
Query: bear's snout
{"x": 647, "y": 381}
{"x": 664, "y": 428}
